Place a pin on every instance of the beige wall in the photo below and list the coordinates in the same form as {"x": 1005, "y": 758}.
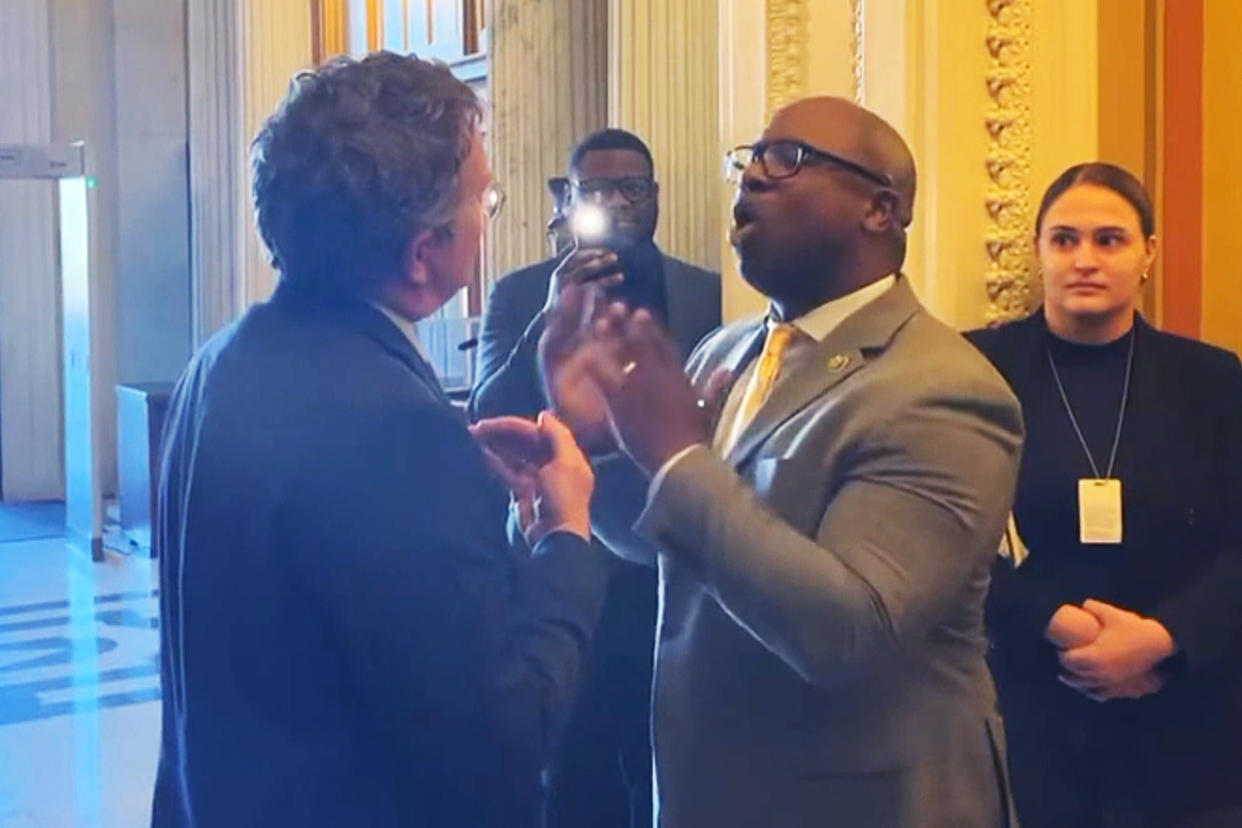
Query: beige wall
{"x": 662, "y": 85}
{"x": 742, "y": 105}
{"x": 927, "y": 67}
{"x": 276, "y": 44}
{"x": 242, "y": 55}
{"x": 830, "y": 48}
{"x": 1222, "y": 161}
{"x": 548, "y": 89}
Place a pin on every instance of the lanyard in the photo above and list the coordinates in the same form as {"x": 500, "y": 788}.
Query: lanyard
{"x": 1121, "y": 415}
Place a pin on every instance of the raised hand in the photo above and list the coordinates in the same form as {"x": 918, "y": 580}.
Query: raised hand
{"x": 575, "y": 294}
{"x": 582, "y": 267}
{"x": 653, "y": 411}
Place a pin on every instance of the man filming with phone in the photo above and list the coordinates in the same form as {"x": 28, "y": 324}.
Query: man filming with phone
{"x": 601, "y": 775}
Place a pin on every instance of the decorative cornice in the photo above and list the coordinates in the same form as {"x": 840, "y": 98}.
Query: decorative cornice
{"x": 1011, "y": 283}
{"x": 787, "y": 27}
{"x": 856, "y": 49}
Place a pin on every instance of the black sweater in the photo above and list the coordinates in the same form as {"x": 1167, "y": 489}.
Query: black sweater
{"x": 1180, "y": 466}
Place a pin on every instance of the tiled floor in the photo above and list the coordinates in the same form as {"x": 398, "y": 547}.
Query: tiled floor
{"x": 79, "y": 681}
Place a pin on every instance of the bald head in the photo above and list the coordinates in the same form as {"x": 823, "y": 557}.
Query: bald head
{"x": 822, "y": 208}
{"x": 842, "y": 127}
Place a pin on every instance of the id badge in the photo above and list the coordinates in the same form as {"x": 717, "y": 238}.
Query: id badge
{"x": 1099, "y": 511}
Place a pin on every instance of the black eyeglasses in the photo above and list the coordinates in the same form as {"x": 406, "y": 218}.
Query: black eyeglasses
{"x": 635, "y": 188}
{"x": 783, "y": 159}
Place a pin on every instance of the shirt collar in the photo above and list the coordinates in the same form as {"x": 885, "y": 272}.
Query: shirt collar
{"x": 408, "y": 329}
{"x": 818, "y": 322}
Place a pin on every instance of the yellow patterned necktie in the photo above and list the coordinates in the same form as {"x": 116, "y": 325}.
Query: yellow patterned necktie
{"x": 766, "y": 372}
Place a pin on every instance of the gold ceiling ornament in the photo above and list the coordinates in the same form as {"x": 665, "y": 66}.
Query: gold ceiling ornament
{"x": 787, "y": 52}
{"x": 856, "y": 49}
{"x": 1012, "y": 285}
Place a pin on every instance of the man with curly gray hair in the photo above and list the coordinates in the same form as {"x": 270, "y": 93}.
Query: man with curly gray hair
{"x": 347, "y": 637}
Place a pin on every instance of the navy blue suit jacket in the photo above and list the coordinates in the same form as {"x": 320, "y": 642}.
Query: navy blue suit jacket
{"x": 347, "y": 637}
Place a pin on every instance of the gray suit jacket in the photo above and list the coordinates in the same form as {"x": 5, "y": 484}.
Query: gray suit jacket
{"x": 821, "y": 649}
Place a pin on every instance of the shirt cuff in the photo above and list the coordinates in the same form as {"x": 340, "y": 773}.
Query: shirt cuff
{"x": 532, "y": 543}
{"x": 658, "y": 477}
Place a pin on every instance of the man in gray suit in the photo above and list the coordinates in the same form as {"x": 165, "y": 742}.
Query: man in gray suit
{"x": 601, "y": 774}
{"x": 825, "y": 534}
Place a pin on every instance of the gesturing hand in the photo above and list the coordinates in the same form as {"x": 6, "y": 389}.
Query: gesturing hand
{"x": 545, "y": 470}
{"x": 574, "y": 297}
{"x": 653, "y": 411}
{"x": 582, "y": 267}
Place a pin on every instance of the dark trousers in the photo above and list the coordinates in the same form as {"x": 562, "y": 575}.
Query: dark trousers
{"x": 601, "y": 774}
{"x": 1087, "y": 766}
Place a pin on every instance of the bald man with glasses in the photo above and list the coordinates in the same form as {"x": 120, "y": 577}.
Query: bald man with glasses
{"x": 825, "y": 534}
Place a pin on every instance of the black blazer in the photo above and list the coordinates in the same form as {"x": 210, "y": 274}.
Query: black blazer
{"x": 346, "y": 637}
{"x": 602, "y": 774}
{"x": 1180, "y": 463}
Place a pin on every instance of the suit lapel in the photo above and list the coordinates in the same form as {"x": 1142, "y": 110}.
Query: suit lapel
{"x": 842, "y": 353}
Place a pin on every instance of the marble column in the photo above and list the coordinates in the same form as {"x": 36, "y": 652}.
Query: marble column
{"x": 548, "y": 88}
{"x": 217, "y": 164}
{"x": 277, "y": 43}
{"x": 664, "y": 85}
{"x": 242, "y": 57}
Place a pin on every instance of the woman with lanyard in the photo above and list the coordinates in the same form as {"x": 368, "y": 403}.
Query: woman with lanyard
{"x": 1116, "y": 615}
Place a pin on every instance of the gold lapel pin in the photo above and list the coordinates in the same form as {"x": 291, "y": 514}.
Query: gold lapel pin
{"x": 838, "y": 362}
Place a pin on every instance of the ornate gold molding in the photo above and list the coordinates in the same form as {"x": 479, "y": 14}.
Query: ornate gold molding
{"x": 856, "y": 49}
{"x": 1011, "y": 283}
{"x": 787, "y": 38}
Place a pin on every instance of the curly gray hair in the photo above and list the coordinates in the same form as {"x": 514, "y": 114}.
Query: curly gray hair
{"x": 360, "y": 157}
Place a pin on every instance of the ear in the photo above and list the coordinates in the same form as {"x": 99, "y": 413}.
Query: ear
{"x": 1149, "y": 255}
{"x": 882, "y": 212}
{"x": 415, "y": 267}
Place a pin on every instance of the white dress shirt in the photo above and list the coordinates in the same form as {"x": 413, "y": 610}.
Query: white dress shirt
{"x": 408, "y": 329}
{"x": 816, "y": 324}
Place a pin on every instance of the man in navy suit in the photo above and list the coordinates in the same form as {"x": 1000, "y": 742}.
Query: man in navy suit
{"x": 601, "y": 776}
{"x": 347, "y": 636}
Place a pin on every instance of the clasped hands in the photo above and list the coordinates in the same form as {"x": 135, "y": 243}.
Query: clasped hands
{"x": 1107, "y": 652}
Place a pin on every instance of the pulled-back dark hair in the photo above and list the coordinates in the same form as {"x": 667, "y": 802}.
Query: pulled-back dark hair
{"x": 1102, "y": 174}
{"x": 360, "y": 157}
{"x": 609, "y": 139}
